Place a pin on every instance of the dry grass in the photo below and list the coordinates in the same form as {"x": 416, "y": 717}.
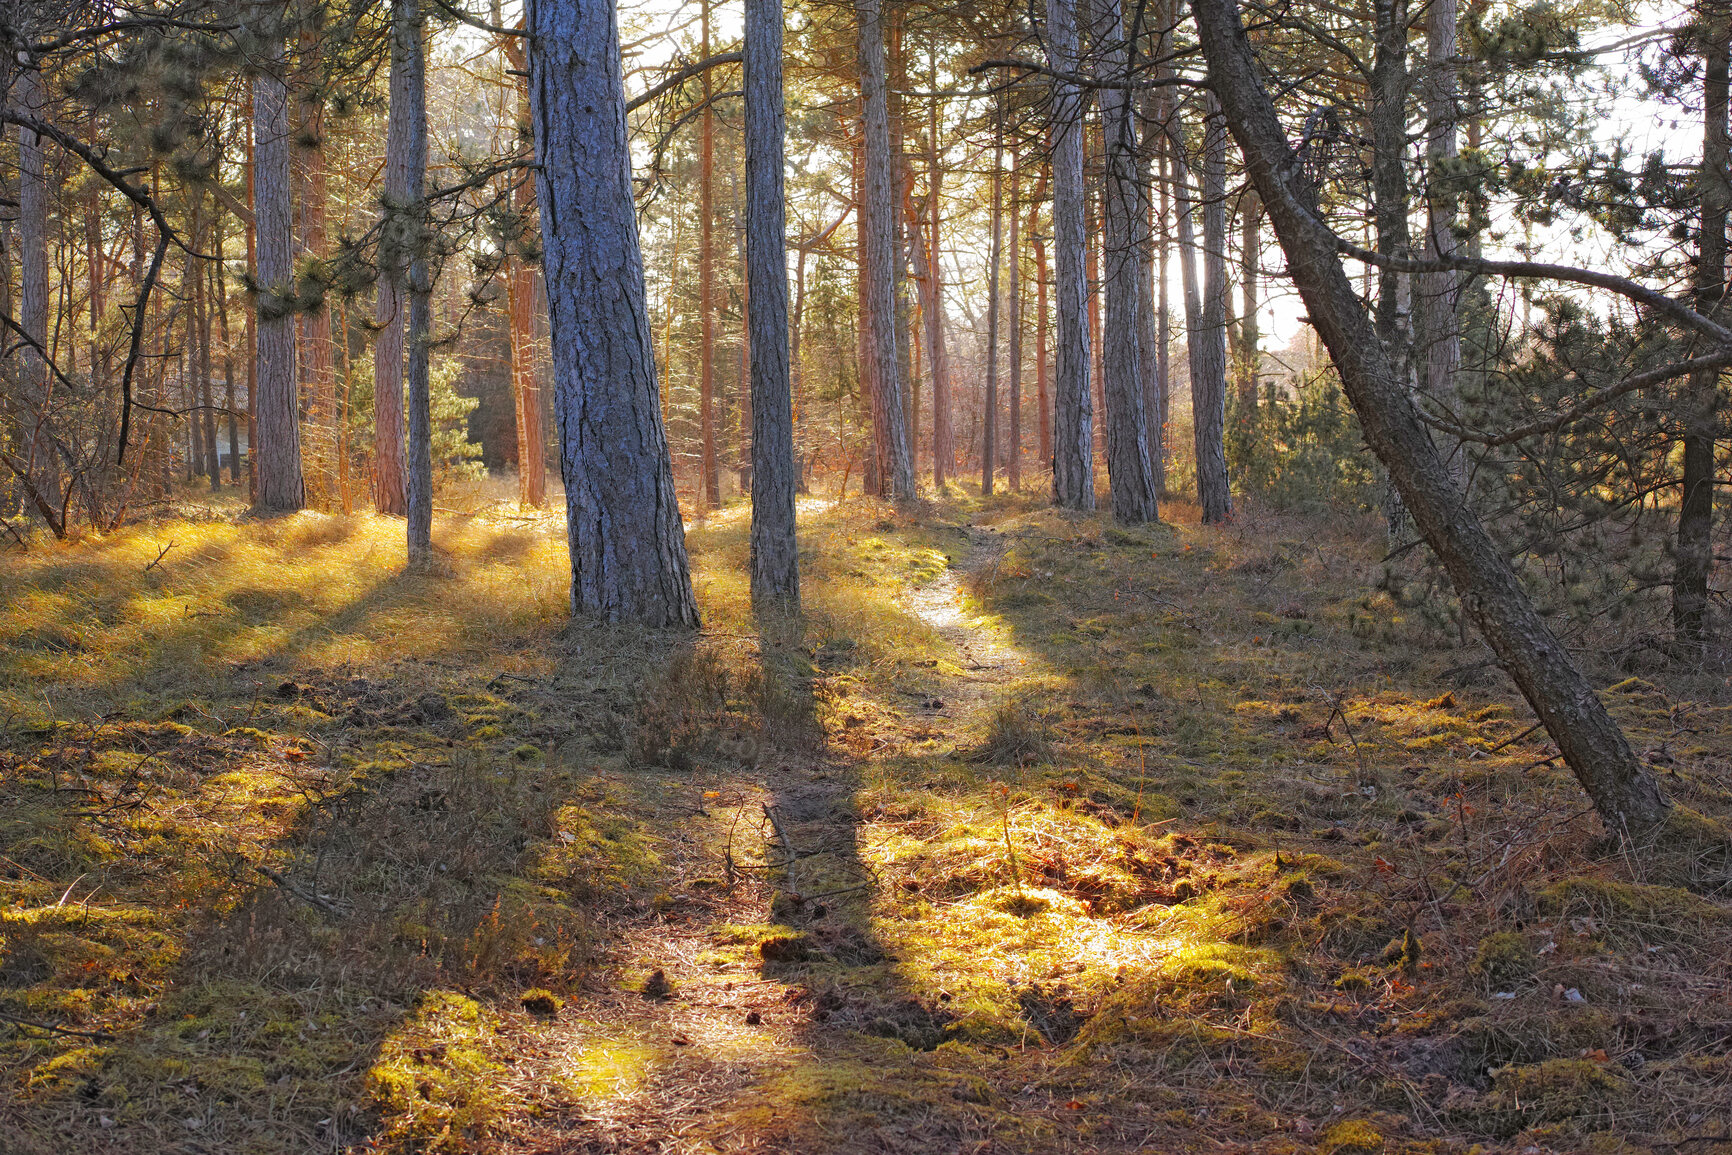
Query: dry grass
{"x": 305, "y": 850}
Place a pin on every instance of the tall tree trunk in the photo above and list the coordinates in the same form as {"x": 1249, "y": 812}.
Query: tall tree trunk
{"x": 1205, "y": 313}
{"x": 1073, "y": 437}
{"x": 201, "y": 322}
{"x": 1627, "y": 797}
{"x": 1042, "y": 403}
{"x": 1439, "y": 303}
{"x": 1129, "y": 472}
{"x": 400, "y": 238}
{"x": 36, "y": 386}
{"x": 873, "y": 468}
{"x": 318, "y": 382}
{"x": 1695, "y": 554}
{"x": 1389, "y": 196}
{"x": 219, "y": 290}
{"x": 628, "y": 551}
{"x": 251, "y": 315}
{"x": 1250, "y": 221}
{"x": 408, "y": 165}
{"x": 775, "y": 555}
{"x": 520, "y": 304}
{"x": 278, "y": 449}
{"x": 938, "y": 356}
{"x": 711, "y": 468}
{"x": 1013, "y": 456}
{"x": 878, "y": 217}
{"x": 994, "y": 258}
{"x": 1162, "y": 418}
{"x": 1148, "y": 334}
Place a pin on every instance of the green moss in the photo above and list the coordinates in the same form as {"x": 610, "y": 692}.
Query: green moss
{"x": 1572, "y": 1091}
{"x": 1503, "y": 959}
{"x": 437, "y": 1082}
{"x": 1351, "y": 1137}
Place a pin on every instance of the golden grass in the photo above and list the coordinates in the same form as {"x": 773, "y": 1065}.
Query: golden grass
{"x": 289, "y": 837}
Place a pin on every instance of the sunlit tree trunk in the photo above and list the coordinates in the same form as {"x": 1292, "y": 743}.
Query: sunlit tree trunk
{"x": 318, "y": 381}
{"x": 1206, "y": 315}
{"x": 1129, "y": 472}
{"x": 627, "y": 542}
{"x": 775, "y": 556}
{"x": 1013, "y": 455}
{"x": 878, "y": 219}
{"x": 994, "y": 258}
{"x": 278, "y": 449}
{"x": 520, "y": 306}
{"x": 1073, "y": 438}
{"x": 711, "y": 468}
{"x": 943, "y": 435}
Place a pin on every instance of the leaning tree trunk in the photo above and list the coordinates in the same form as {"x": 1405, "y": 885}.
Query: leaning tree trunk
{"x": 878, "y": 218}
{"x": 775, "y": 555}
{"x": 278, "y": 454}
{"x": 1129, "y": 471}
{"x": 628, "y": 549}
{"x": 1626, "y": 796}
{"x": 1073, "y": 454}
{"x": 1695, "y": 553}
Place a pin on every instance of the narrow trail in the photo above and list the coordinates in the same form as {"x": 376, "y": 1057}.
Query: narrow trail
{"x": 688, "y": 1041}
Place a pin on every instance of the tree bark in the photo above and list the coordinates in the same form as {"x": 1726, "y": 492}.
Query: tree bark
{"x": 628, "y": 551}
{"x": 878, "y": 215}
{"x": 400, "y": 240}
{"x": 1073, "y": 435}
{"x": 1129, "y": 472}
{"x": 36, "y": 387}
{"x": 1250, "y": 221}
{"x": 989, "y": 427}
{"x": 1695, "y": 553}
{"x": 520, "y": 304}
{"x": 1205, "y": 312}
{"x": 943, "y": 433}
{"x": 775, "y": 554}
{"x": 1013, "y": 456}
{"x": 318, "y": 380}
{"x": 711, "y": 468}
{"x": 278, "y": 450}
{"x": 1626, "y": 796}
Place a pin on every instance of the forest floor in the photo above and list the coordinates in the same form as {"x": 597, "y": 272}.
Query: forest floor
{"x": 1037, "y": 834}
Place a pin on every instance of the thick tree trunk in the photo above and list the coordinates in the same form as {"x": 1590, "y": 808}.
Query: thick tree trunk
{"x": 278, "y": 449}
{"x": 628, "y": 550}
{"x": 775, "y": 555}
{"x": 1042, "y": 404}
{"x": 878, "y": 217}
{"x": 1628, "y": 799}
{"x": 402, "y": 238}
{"x": 405, "y": 259}
{"x": 1695, "y": 553}
{"x": 1129, "y": 472}
{"x": 1162, "y": 418}
{"x": 1073, "y": 436}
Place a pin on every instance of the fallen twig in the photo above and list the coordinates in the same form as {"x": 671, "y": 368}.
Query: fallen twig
{"x": 308, "y": 897}
{"x": 99, "y": 1036}
{"x": 160, "y": 554}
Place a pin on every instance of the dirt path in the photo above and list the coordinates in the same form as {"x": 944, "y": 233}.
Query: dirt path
{"x": 689, "y": 1041}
